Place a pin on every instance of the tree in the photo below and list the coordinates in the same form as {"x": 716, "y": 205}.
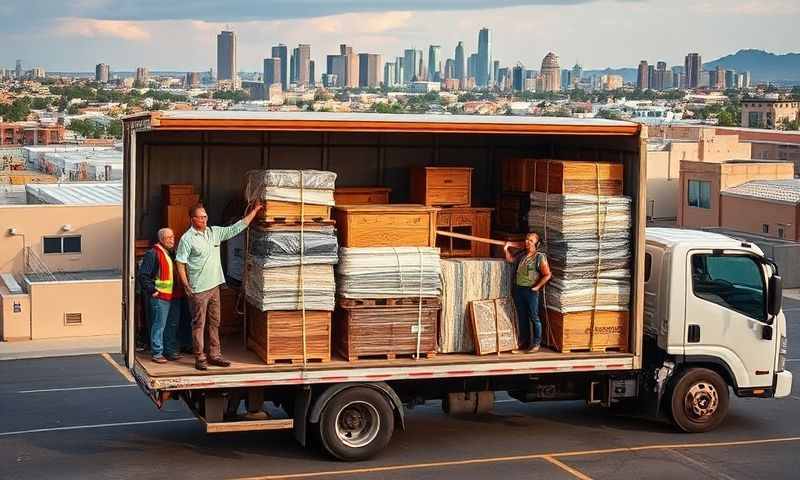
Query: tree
{"x": 73, "y": 109}
{"x": 388, "y": 108}
{"x": 17, "y": 111}
{"x": 114, "y": 129}
{"x": 786, "y": 124}
{"x": 608, "y": 114}
{"x": 41, "y": 103}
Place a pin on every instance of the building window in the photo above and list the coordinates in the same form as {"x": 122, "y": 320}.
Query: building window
{"x": 780, "y": 232}
{"x": 60, "y": 245}
{"x": 699, "y": 194}
{"x": 764, "y": 228}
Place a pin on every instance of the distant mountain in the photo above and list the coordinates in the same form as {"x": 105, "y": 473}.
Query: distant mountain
{"x": 628, "y": 74}
{"x": 763, "y": 66}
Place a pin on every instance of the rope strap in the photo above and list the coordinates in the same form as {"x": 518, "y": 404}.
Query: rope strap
{"x": 302, "y": 277}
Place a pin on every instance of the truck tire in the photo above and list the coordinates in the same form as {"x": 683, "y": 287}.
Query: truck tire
{"x": 356, "y": 424}
{"x": 699, "y": 401}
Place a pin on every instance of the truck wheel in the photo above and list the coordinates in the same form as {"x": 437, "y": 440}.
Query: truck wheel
{"x": 699, "y": 400}
{"x": 356, "y": 424}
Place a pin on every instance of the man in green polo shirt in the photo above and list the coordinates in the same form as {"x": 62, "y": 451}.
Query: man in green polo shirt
{"x": 200, "y": 270}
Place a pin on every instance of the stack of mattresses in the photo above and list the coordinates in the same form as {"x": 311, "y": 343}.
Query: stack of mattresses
{"x": 388, "y": 272}
{"x": 280, "y": 288}
{"x": 279, "y": 245}
{"x": 463, "y": 281}
{"x": 292, "y": 195}
{"x": 587, "y": 238}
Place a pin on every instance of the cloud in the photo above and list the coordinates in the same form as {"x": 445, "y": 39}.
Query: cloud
{"x": 82, "y": 27}
{"x": 355, "y": 23}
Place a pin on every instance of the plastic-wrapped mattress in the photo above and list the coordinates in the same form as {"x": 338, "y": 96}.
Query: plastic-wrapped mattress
{"x": 279, "y": 288}
{"x": 281, "y": 248}
{"x": 388, "y": 272}
{"x": 284, "y": 185}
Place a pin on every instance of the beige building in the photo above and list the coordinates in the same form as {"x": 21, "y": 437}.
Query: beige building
{"x": 769, "y": 113}
{"x": 767, "y": 207}
{"x": 667, "y": 147}
{"x": 702, "y": 184}
{"x": 60, "y": 271}
{"x": 550, "y": 75}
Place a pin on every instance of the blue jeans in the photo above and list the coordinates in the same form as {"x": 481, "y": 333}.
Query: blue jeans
{"x": 163, "y": 328}
{"x": 527, "y": 303}
{"x": 184, "y": 321}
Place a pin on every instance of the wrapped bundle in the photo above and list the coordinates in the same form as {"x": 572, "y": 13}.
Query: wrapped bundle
{"x": 284, "y": 186}
{"x": 279, "y": 288}
{"x": 576, "y": 259}
{"x": 578, "y": 216}
{"x": 463, "y": 281}
{"x": 388, "y": 272}
{"x": 568, "y": 296}
{"x": 270, "y": 248}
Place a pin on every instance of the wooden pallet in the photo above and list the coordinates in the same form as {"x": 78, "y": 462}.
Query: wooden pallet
{"x": 272, "y": 360}
{"x": 276, "y": 336}
{"x": 590, "y": 331}
{"x": 384, "y": 356}
{"x": 388, "y": 302}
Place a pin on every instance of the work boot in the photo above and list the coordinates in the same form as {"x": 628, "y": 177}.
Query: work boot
{"x": 201, "y": 364}
{"x": 219, "y": 362}
{"x": 159, "y": 359}
{"x": 173, "y": 356}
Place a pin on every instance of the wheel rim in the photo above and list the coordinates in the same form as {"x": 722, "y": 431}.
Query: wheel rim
{"x": 357, "y": 424}
{"x": 701, "y": 402}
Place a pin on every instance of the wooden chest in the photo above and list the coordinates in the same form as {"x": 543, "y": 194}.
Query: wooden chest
{"x": 277, "y": 336}
{"x": 361, "y": 195}
{"x": 291, "y": 212}
{"x": 377, "y": 329}
{"x": 589, "y": 331}
{"x": 518, "y": 174}
{"x": 469, "y": 221}
{"x": 394, "y": 225}
{"x": 512, "y": 212}
{"x": 590, "y": 178}
{"x": 442, "y": 186}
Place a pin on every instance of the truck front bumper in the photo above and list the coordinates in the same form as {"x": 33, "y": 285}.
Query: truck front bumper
{"x": 783, "y": 384}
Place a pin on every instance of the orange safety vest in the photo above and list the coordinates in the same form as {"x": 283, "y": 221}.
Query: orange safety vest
{"x": 164, "y": 281}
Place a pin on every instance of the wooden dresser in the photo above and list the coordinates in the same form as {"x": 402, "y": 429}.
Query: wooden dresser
{"x": 361, "y": 195}
{"x": 442, "y": 186}
{"x": 467, "y": 220}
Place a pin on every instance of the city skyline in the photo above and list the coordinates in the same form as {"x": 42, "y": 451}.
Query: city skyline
{"x": 561, "y": 27}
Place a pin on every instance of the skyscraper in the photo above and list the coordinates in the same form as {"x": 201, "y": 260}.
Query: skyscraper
{"x": 730, "y": 79}
{"x": 142, "y": 77}
{"x": 350, "y": 61}
{"x": 566, "y": 79}
{"x": 272, "y": 72}
{"x": 577, "y": 74}
{"x": 643, "y": 76}
{"x": 399, "y": 72}
{"x": 281, "y": 51}
{"x": 460, "y": 69}
{"x": 659, "y": 74}
{"x": 303, "y": 65}
{"x": 449, "y": 69}
{"x": 293, "y": 65}
{"x": 227, "y": 66}
{"x": 551, "y": 73}
{"x": 18, "y": 70}
{"x": 493, "y": 76}
{"x": 369, "y": 70}
{"x": 101, "y": 73}
{"x": 484, "y": 65}
{"x": 472, "y": 65}
{"x": 411, "y": 59}
{"x": 434, "y": 63}
{"x": 389, "y": 74}
{"x": 518, "y": 78}
{"x": 693, "y": 65}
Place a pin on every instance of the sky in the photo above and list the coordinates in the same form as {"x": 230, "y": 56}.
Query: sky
{"x": 75, "y": 35}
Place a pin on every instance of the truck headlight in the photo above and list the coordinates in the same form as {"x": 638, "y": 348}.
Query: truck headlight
{"x": 783, "y": 350}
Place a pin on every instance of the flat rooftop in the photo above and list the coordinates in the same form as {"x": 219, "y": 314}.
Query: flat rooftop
{"x": 73, "y": 276}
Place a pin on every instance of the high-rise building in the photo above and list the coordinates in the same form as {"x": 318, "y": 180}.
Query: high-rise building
{"x": 495, "y": 70}
{"x": 411, "y": 59}
{"x": 293, "y": 65}
{"x": 389, "y": 74}
{"x": 281, "y": 52}
{"x": 566, "y": 79}
{"x": 642, "y": 76}
{"x": 18, "y": 70}
{"x": 312, "y": 73}
{"x": 460, "y": 69}
{"x": 693, "y": 65}
{"x": 303, "y": 65}
{"x": 716, "y": 78}
{"x": 272, "y": 72}
{"x": 102, "y": 72}
{"x": 651, "y": 75}
{"x": 746, "y": 83}
{"x": 37, "y": 73}
{"x": 730, "y": 79}
{"x": 192, "y": 79}
{"x": 472, "y": 65}
{"x": 350, "y": 79}
{"x": 551, "y": 73}
{"x": 399, "y": 70}
{"x": 227, "y": 64}
{"x": 449, "y": 69}
{"x": 435, "y": 63}
{"x": 142, "y": 77}
{"x": 656, "y": 75}
{"x": 484, "y": 65}
{"x": 576, "y": 75}
{"x": 335, "y": 68}
{"x": 518, "y": 78}
{"x": 369, "y": 70}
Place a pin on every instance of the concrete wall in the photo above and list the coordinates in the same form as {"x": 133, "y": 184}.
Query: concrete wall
{"x": 100, "y": 227}
{"x": 750, "y": 214}
{"x": 14, "y": 325}
{"x": 99, "y": 303}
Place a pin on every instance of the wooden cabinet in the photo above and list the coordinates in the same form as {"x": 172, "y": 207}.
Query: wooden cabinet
{"x": 394, "y": 225}
{"x": 442, "y": 186}
{"x": 361, "y": 195}
{"x": 469, "y": 221}
{"x": 512, "y": 211}
{"x": 518, "y": 174}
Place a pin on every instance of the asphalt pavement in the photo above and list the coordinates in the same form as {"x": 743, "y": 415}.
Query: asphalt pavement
{"x": 78, "y": 418}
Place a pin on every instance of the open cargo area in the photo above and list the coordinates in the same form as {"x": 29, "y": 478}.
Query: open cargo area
{"x": 486, "y": 177}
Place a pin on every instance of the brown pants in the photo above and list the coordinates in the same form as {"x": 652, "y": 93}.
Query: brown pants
{"x": 205, "y": 313}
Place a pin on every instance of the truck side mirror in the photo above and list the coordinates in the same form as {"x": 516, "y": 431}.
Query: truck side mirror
{"x": 775, "y": 296}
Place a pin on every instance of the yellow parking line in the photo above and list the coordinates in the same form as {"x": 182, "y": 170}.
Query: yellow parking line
{"x": 549, "y": 457}
{"x": 122, "y": 371}
{"x": 563, "y": 466}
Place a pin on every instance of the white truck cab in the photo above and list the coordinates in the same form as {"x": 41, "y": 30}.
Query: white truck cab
{"x": 713, "y": 315}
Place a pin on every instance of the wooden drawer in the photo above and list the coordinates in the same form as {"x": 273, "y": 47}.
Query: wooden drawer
{"x": 361, "y": 195}
{"x": 443, "y": 219}
{"x": 445, "y": 186}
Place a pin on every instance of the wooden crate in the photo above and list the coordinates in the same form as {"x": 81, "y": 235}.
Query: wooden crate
{"x": 512, "y": 210}
{"x": 466, "y": 220}
{"x": 361, "y": 195}
{"x": 230, "y": 321}
{"x": 379, "y": 331}
{"x": 577, "y": 332}
{"x": 277, "y": 336}
{"x": 568, "y": 176}
{"x": 171, "y": 191}
{"x": 395, "y": 225}
{"x": 442, "y": 186}
{"x": 518, "y": 174}
{"x": 289, "y": 211}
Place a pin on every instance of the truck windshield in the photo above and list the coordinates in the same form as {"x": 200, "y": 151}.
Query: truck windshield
{"x": 733, "y": 281}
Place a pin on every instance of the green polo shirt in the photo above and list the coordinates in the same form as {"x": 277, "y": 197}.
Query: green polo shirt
{"x": 200, "y": 252}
